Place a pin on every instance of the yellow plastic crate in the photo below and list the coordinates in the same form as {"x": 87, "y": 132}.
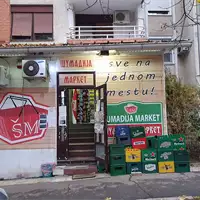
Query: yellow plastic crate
{"x": 166, "y": 167}
{"x": 133, "y": 155}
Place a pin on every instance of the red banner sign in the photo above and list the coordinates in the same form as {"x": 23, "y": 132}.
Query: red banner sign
{"x": 22, "y": 119}
{"x": 150, "y": 129}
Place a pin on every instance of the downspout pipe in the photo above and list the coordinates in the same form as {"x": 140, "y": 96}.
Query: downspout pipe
{"x": 133, "y": 47}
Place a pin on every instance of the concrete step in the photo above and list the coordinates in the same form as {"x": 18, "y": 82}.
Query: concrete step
{"x": 81, "y": 143}
{"x": 82, "y": 153}
{"x": 78, "y": 170}
{"x": 74, "y": 161}
{"x": 81, "y": 139}
{"x": 81, "y": 146}
{"x": 81, "y": 134}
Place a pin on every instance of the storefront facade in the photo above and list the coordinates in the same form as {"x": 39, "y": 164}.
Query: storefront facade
{"x": 31, "y": 113}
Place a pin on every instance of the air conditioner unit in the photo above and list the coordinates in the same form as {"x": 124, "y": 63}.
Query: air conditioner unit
{"x": 121, "y": 17}
{"x": 4, "y": 80}
{"x": 183, "y": 50}
{"x": 34, "y": 69}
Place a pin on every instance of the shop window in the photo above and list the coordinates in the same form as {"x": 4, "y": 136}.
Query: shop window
{"x": 169, "y": 57}
{"x": 32, "y": 23}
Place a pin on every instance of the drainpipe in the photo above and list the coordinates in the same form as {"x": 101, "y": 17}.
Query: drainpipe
{"x": 198, "y": 41}
{"x": 146, "y": 20}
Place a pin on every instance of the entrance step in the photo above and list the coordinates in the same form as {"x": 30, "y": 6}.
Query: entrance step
{"x": 82, "y": 153}
{"x": 81, "y": 139}
{"x": 77, "y": 134}
{"x": 79, "y": 170}
{"x": 81, "y": 146}
{"x": 83, "y": 143}
{"x": 77, "y": 161}
{"x": 82, "y": 127}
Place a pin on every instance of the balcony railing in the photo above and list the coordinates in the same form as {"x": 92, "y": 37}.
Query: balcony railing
{"x": 106, "y": 32}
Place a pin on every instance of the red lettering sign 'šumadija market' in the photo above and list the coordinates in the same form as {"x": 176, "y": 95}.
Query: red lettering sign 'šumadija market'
{"x": 75, "y": 63}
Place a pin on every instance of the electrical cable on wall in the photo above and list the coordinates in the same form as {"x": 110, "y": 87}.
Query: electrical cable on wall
{"x": 88, "y": 7}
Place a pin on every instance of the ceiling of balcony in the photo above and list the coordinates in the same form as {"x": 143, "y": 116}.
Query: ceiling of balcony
{"x": 103, "y": 6}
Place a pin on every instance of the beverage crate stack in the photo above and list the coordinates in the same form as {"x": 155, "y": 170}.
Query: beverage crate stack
{"x": 181, "y": 156}
{"x": 117, "y": 159}
{"x": 165, "y": 155}
{"x": 136, "y": 153}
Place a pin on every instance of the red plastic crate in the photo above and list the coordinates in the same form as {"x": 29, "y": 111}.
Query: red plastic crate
{"x": 139, "y": 143}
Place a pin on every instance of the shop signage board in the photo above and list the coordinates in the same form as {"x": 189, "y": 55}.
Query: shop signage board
{"x": 137, "y": 113}
{"x": 135, "y": 88}
{"x": 74, "y": 79}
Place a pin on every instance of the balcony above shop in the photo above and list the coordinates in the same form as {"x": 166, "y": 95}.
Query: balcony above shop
{"x": 107, "y": 32}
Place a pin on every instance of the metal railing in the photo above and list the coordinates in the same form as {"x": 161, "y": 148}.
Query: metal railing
{"x": 106, "y": 32}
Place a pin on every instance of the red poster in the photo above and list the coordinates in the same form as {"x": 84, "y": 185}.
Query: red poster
{"x": 22, "y": 119}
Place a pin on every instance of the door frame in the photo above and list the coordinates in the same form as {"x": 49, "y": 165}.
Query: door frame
{"x": 67, "y": 87}
{"x": 104, "y": 86}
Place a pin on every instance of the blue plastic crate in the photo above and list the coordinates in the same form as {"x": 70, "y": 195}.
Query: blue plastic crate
{"x": 122, "y": 131}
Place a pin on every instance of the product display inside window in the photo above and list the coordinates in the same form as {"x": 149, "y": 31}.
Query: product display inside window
{"x": 82, "y": 106}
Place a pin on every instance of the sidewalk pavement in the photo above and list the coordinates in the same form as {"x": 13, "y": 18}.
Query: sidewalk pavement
{"x": 117, "y": 188}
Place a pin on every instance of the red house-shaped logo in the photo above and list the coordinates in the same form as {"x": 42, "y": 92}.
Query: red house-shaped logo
{"x": 22, "y": 119}
{"x": 130, "y": 108}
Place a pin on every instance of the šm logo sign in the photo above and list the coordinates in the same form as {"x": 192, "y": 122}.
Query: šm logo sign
{"x": 22, "y": 119}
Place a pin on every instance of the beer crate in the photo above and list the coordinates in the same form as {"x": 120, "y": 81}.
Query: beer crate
{"x": 117, "y": 170}
{"x": 133, "y": 167}
{"x": 152, "y": 142}
{"x": 116, "y": 149}
{"x": 166, "y": 167}
{"x": 124, "y": 140}
{"x": 181, "y": 156}
{"x": 181, "y": 167}
{"x": 122, "y": 131}
{"x": 165, "y": 142}
{"x": 137, "y": 132}
{"x": 117, "y": 159}
{"x": 149, "y": 155}
{"x": 133, "y": 155}
{"x": 150, "y": 167}
{"x": 179, "y": 141}
{"x": 139, "y": 143}
{"x": 165, "y": 155}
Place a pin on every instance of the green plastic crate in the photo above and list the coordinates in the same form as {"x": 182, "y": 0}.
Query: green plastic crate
{"x": 117, "y": 170}
{"x": 165, "y": 142}
{"x": 116, "y": 149}
{"x": 181, "y": 167}
{"x": 179, "y": 141}
{"x": 165, "y": 155}
{"x": 152, "y": 142}
{"x": 137, "y": 132}
{"x": 133, "y": 167}
{"x": 117, "y": 159}
{"x": 149, "y": 168}
{"x": 149, "y": 155}
{"x": 181, "y": 156}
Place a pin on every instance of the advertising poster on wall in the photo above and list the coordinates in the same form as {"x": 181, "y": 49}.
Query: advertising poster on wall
{"x": 135, "y": 88}
{"x": 22, "y": 119}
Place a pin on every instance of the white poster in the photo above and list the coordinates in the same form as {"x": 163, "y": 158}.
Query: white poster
{"x": 62, "y": 115}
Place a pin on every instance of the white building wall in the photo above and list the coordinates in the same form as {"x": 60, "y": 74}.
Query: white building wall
{"x": 24, "y": 163}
